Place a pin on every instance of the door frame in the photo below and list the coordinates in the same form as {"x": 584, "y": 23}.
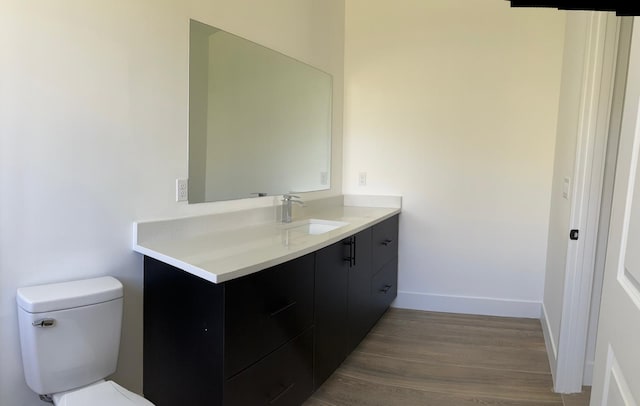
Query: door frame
{"x": 613, "y": 141}
{"x": 586, "y": 195}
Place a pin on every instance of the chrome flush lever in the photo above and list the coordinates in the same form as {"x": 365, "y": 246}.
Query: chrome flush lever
{"x": 44, "y": 323}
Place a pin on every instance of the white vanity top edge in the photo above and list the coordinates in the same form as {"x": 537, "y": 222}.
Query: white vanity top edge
{"x": 223, "y": 254}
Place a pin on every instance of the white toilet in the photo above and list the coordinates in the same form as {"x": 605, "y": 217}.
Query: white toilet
{"x": 70, "y": 337}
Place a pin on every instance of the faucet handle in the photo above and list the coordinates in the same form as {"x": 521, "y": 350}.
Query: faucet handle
{"x": 290, "y": 197}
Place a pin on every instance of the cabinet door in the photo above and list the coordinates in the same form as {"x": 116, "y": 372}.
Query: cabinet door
{"x": 332, "y": 274}
{"x": 384, "y": 288}
{"x": 385, "y": 242}
{"x": 283, "y": 378}
{"x": 361, "y": 316}
{"x": 265, "y": 310}
{"x": 183, "y": 322}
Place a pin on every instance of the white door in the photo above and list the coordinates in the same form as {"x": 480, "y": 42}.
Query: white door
{"x": 617, "y": 368}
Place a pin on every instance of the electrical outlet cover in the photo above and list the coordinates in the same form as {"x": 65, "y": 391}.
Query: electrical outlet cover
{"x": 182, "y": 191}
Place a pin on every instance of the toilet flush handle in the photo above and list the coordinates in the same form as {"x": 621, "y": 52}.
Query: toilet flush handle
{"x": 44, "y": 323}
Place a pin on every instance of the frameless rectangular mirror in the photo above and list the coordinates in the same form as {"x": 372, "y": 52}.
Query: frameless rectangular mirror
{"x": 259, "y": 121}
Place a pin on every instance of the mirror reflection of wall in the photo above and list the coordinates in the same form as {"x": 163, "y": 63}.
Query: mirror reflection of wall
{"x": 259, "y": 121}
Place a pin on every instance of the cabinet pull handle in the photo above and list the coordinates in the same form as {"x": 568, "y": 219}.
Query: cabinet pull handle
{"x": 283, "y": 308}
{"x": 351, "y": 259}
{"x": 386, "y": 289}
{"x": 281, "y": 394}
{"x": 387, "y": 242}
{"x": 353, "y": 254}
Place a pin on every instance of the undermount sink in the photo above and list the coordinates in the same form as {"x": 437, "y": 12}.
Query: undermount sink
{"x": 315, "y": 226}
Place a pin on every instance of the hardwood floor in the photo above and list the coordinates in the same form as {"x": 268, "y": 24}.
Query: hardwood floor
{"x": 439, "y": 359}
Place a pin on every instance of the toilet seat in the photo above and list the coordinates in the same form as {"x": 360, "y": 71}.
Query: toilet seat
{"x": 106, "y": 393}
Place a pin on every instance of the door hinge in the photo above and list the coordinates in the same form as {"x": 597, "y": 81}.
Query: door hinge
{"x": 574, "y": 234}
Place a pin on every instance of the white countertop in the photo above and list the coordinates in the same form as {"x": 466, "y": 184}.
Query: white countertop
{"x": 219, "y": 254}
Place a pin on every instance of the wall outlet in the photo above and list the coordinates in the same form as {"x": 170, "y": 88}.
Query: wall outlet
{"x": 182, "y": 190}
{"x": 362, "y": 179}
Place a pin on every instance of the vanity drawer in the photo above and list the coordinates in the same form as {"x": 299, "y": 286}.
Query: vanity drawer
{"x": 283, "y": 378}
{"x": 264, "y": 310}
{"x": 384, "y": 287}
{"x": 385, "y": 242}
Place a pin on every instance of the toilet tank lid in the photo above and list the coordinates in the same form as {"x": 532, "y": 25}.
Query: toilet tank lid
{"x": 67, "y": 295}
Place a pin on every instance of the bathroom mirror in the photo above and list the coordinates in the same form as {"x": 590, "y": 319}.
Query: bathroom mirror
{"x": 259, "y": 121}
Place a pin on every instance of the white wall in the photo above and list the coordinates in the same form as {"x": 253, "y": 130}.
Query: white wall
{"x": 93, "y": 134}
{"x": 453, "y": 105}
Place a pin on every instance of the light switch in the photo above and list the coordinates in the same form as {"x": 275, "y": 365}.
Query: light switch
{"x": 362, "y": 179}
{"x": 565, "y": 188}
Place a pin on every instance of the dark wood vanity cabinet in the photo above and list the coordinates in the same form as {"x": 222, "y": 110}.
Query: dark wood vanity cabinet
{"x": 248, "y": 341}
{"x": 355, "y": 284}
{"x": 183, "y": 353}
{"x": 269, "y": 338}
{"x": 265, "y": 310}
{"x": 384, "y": 285}
{"x": 343, "y": 306}
{"x": 385, "y": 242}
{"x": 360, "y": 314}
{"x": 283, "y": 378}
{"x": 331, "y": 295}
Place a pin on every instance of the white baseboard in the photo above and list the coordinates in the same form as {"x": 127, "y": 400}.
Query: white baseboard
{"x": 549, "y": 342}
{"x": 468, "y": 305}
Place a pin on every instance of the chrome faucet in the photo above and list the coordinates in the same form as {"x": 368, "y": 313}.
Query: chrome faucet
{"x": 287, "y": 201}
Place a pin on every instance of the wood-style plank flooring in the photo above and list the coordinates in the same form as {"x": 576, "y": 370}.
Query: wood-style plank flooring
{"x": 440, "y": 359}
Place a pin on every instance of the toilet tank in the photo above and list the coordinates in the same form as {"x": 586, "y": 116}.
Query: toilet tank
{"x": 69, "y": 332}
